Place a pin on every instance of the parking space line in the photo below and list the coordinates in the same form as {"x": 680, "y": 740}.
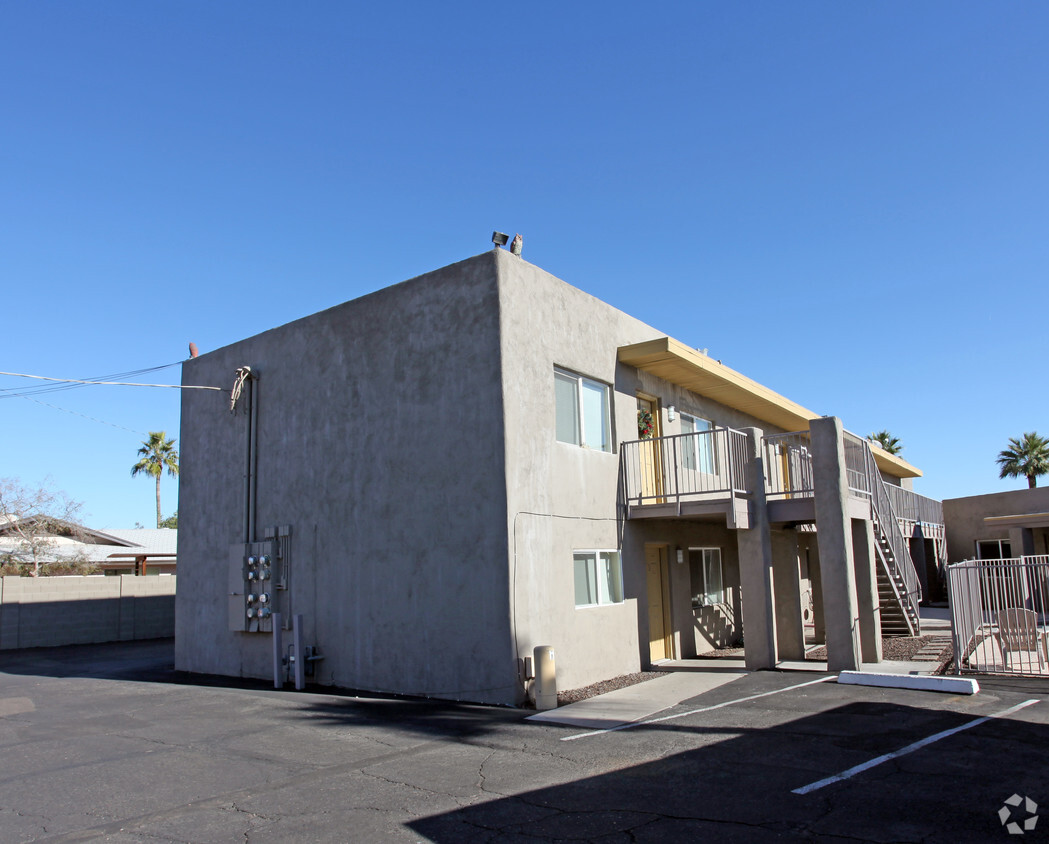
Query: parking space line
{"x": 694, "y": 711}
{"x": 910, "y": 748}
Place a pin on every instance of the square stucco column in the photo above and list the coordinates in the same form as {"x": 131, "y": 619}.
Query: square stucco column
{"x": 834, "y": 534}
{"x": 867, "y": 589}
{"x": 790, "y": 626}
{"x": 755, "y": 567}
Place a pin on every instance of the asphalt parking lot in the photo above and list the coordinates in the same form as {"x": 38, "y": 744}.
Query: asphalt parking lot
{"x": 108, "y": 743}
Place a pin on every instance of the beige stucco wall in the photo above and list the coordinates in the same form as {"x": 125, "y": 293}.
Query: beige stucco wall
{"x": 964, "y": 519}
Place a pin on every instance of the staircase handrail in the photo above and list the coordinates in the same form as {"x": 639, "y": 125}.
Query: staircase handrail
{"x": 889, "y": 526}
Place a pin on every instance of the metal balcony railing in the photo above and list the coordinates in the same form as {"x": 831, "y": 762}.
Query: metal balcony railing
{"x": 788, "y": 465}
{"x": 699, "y": 466}
{"x": 911, "y": 507}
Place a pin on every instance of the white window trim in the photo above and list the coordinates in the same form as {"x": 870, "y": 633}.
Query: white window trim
{"x": 721, "y": 567}
{"x": 697, "y": 434}
{"x": 597, "y": 552}
{"x": 976, "y": 548}
{"x": 607, "y": 388}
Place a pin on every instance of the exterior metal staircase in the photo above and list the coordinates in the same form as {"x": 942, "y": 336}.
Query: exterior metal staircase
{"x": 898, "y": 588}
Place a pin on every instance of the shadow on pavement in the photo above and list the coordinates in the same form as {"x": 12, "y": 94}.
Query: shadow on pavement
{"x": 740, "y": 789}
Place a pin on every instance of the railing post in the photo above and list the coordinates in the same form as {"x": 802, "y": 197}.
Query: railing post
{"x": 731, "y": 452}
{"x": 677, "y": 475}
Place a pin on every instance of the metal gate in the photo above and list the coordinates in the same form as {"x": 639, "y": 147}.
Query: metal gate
{"x": 1000, "y": 615}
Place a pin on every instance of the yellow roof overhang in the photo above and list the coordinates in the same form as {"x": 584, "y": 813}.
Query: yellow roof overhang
{"x": 1019, "y": 520}
{"x": 679, "y": 364}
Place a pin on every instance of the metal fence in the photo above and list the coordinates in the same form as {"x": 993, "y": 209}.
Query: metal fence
{"x": 911, "y": 507}
{"x": 686, "y": 467}
{"x": 788, "y": 465}
{"x": 999, "y": 612}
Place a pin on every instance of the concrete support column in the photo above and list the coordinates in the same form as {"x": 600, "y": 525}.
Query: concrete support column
{"x": 790, "y": 626}
{"x": 834, "y": 534}
{"x": 867, "y": 603}
{"x": 755, "y": 567}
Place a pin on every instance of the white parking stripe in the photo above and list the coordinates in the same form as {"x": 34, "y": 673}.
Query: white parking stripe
{"x": 910, "y": 748}
{"x": 693, "y": 711}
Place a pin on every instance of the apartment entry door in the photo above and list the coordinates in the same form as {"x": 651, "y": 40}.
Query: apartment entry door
{"x": 660, "y": 638}
{"x": 648, "y": 453}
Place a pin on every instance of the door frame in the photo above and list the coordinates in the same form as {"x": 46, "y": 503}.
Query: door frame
{"x": 662, "y": 550}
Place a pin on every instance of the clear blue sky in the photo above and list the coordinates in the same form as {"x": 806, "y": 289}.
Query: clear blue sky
{"x": 848, "y": 202}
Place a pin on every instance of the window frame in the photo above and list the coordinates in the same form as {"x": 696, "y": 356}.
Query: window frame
{"x": 702, "y": 458}
{"x": 1001, "y": 551}
{"x": 614, "y": 587}
{"x": 581, "y": 382}
{"x": 703, "y": 563}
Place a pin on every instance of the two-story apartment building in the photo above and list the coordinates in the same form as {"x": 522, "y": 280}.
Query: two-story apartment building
{"x": 446, "y": 473}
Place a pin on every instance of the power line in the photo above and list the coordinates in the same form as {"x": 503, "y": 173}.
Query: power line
{"x": 76, "y": 413}
{"x": 17, "y": 392}
{"x": 113, "y": 383}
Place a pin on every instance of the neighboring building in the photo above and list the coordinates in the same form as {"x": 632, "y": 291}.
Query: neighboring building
{"x": 112, "y": 551}
{"x": 446, "y": 473}
{"x": 998, "y": 525}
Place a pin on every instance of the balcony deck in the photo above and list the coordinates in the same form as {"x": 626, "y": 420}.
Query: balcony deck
{"x": 701, "y": 475}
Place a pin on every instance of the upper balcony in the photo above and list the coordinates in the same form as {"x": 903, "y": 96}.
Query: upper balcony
{"x": 789, "y": 484}
{"x": 701, "y": 474}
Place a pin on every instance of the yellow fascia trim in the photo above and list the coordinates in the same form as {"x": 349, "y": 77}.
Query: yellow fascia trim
{"x": 679, "y": 364}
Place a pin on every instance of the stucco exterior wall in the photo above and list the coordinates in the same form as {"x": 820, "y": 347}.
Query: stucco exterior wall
{"x": 964, "y": 518}
{"x": 562, "y": 498}
{"x": 380, "y": 441}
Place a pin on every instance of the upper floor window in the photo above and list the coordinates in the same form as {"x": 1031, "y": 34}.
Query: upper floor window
{"x": 583, "y": 416}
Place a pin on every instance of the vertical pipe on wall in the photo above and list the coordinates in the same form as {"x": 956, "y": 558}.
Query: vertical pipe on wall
{"x": 247, "y": 470}
{"x": 253, "y": 459}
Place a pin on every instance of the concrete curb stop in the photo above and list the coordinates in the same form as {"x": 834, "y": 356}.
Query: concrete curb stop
{"x": 920, "y": 682}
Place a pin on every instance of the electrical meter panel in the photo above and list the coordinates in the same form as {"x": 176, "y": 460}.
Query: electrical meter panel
{"x": 259, "y": 573}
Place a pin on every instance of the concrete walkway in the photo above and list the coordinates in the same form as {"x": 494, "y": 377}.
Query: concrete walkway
{"x": 693, "y": 677}
{"x": 634, "y": 703}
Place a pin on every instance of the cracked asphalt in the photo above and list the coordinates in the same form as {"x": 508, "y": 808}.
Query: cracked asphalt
{"x": 108, "y": 743}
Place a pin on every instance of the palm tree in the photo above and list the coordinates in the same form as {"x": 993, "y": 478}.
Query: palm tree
{"x": 157, "y": 454}
{"x": 1027, "y": 456}
{"x": 887, "y": 441}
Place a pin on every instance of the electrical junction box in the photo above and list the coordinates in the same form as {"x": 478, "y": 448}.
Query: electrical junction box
{"x": 258, "y": 582}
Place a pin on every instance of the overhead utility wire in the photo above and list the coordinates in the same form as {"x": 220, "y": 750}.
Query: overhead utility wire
{"x": 23, "y": 392}
{"x": 84, "y": 415}
{"x": 108, "y": 377}
{"x": 113, "y": 383}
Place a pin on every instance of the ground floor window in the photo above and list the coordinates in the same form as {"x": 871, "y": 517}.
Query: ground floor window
{"x": 598, "y": 578}
{"x": 704, "y": 566}
{"x": 993, "y": 549}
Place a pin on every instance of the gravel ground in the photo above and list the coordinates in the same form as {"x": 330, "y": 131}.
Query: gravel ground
{"x": 576, "y": 695}
{"x": 897, "y": 648}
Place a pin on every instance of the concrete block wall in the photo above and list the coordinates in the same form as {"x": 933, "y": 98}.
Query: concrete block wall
{"x": 54, "y": 611}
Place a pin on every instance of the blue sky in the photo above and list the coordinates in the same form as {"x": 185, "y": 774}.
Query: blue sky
{"x": 848, "y": 202}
